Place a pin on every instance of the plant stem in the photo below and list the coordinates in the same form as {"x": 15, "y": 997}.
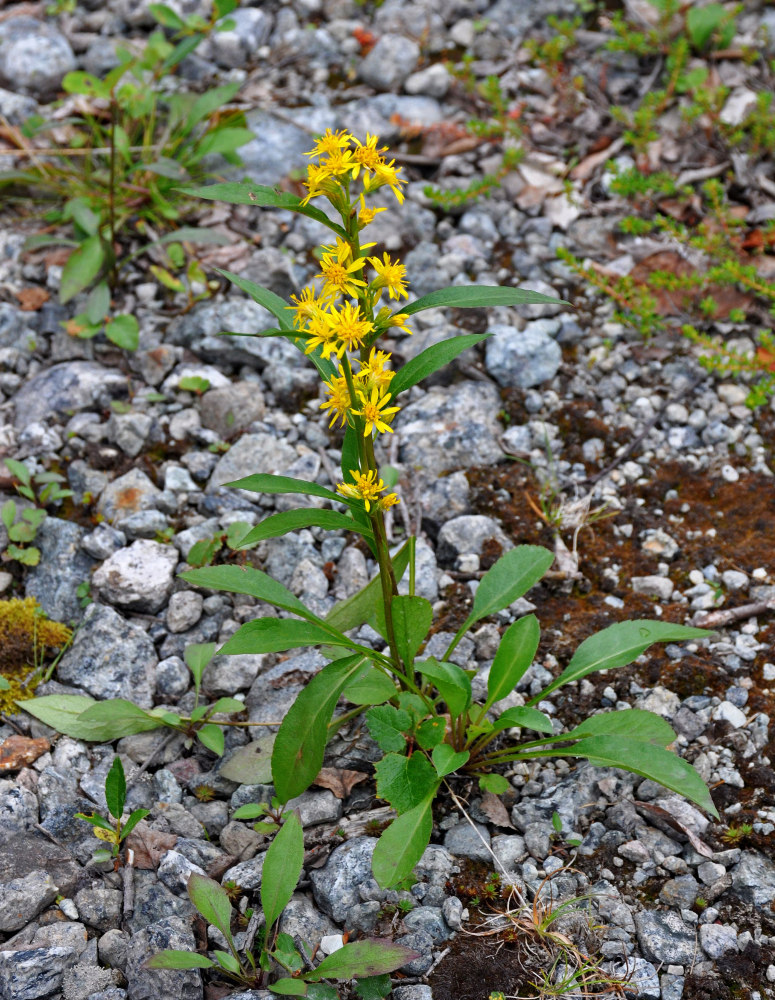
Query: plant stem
{"x": 112, "y": 193}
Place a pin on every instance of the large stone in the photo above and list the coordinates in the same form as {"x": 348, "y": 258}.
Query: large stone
{"x": 252, "y": 453}
{"x": 34, "y": 56}
{"x": 22, "y": 899}
{"x": 468, "y": 534}
{"x": 29, "y": 852}
{"x": 390, "y": 62}
{"x": 229, "y": 411}
{"x": 336, "y": 885}
{"x": 127, "y": 495}
{"x": 523, "y": 358}
{"x": 18, "y": 812}
{"x": 138, "y": 578}
{"x": 150, "y": 984}
{"x": 34, "y": 972}
{"x": 110, "y": 658}
{"x": 664, "y": 937}
{"x": 63, "y": 567}
{"x": 753, "y": 879}
{"x": 65, "y": 389}
{"x": 237, "y": 47}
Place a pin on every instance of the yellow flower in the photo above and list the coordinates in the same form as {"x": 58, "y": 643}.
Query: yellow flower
{"x": 338, "y": 401}
{"x": 366, "y": 487}
{"x": 385, "y": 174}
{"x": 337, "y": 273}
{"x": 307, "y": 308}
{"x": 384, "y": 503}
{"x": 366, "y": 215}
{"x": 320, "y": 334}
{"x": 390, "y": 275}
{"x": 318, "y": 182}
{"x": 373, "y": 372}
{"x": 367, "y": 155}
{"x": 375, "y": 411}
{"x": 349, "y": 327}
{"x": 330, "y": 143}
{"x": 399, "y": 320}
{"x": 339, "y": 162}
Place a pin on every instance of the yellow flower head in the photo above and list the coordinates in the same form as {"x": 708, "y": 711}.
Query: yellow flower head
{"x": 348, "y": 327}
{"x": 375, "y": 411}
{"x": 390, "y": 275}
{"x": 384, "y": 503}
{"x": 320, "y": 334}
{"x": 331, "y": 142}
{"x": 374, "y": 373}
{"x": 367, "y": 155}
{"x": 365, "y": 487}
{"x": 385, "y": 175}
{"x": 319, "y": 181}
{"x": 337, "y": 273}
{"x": 338, "y": 401}
{"x": 338, "y": 163}
{"x": 307, "y": 308}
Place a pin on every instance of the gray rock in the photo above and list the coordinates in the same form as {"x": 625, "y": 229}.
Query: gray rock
{"x": 143, "y": 524}
{"x": 22, "y": 899}
{"x": 538, "y": 839}
{"x": 753, "y": 879}
{"x": 34, "y": 56}
{"x": 237, "y": 47}
{"x": 468, "y": 534}
{"x": 230, "y": 411}
{"x": 100, "y": 907}
{"x": 522, "y": 358}
{"x": 92, "y": 662}
{"x": 317, "y": 807}
{"x": 680, "y": 892}
{"x": 300, "y": 917}
{"x": 446, "y": 498}
{"x": 126, "y": 495}
{"x": 224, "y": 675}
{"x": 452, "y": 911}
{"x": 247, "y": 873}
{"x": 184, "y": 610}
{"x": 428, "y": 919}
{"x": 280, "y": 146}
{"x": 718, "y": 940}
{"x": 25, "y": 853}
{"x": 111, "y": 949}
{"x": 154, "y": 902}
{"x": 664, "y": 937}
{"x": 639, "y": 974}
{"x": 172, "y": 677}
{"x": 389, "y": 63}
{"x": 138, "y": 578}
{"x": 434, "y": 81}
{"x": 653, "y": 586}
{"x": 465, "y": 842}
{"x": 149, "y": 984}
{"x": 65, "y": 389}
{"x": 129, "y": 431}
{"x": 421, "y": 943}
{"x": 84, "y": 981}
{"x": 103, "y": 541}
{"x": 418, "y": 992}
{"x": 62, "y": 568}
{"x": 239, "y": 840}
{"x": 363, "y": 917}
{"x": 175, "y": 870}
{"x": 570, "y": 798}
{"x": 16, "y": 108}
{"x": 727, "y": 712}
{"x": 252, "y": 453}
{"x": 336, "y": 884}
{"x": 36, "y": 972}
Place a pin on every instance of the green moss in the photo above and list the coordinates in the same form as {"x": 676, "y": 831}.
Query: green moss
{"x": 27, "y": 639}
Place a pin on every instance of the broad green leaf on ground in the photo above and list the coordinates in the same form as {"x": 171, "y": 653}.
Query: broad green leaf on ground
{"x": 637, "y": 724}
{"x": 301, "y": 739}
{"x": 259, "y": 195}
{"x": 451, "y": 681}
{"x": 478, "y": 296}
{"x": 251, "y": 764}
{"x": 282, "y": 869}
{"x": 372, "y": 987}
{"x": 82, "y": 267}
{"x": 402, "y": 845}
{"x": 373, "y": 688}
{"x": 289, "y": 987}
{"x": 387, "y": 726}
{"x": 618, "y": 645}
{"x": 403, "y": 781}
{"x": 247, "y": 580}
{"x": 359, "y": 609}
{"x": 303, "y": 517}
{"x": 212, "y": 901}
{"x": 431, "y": 732}
{"x": 115, "y": 789}
{"x": 115, "y": 718}
{"x": 516, "y": 652}
{"x": 172, "y": 959}
{"x": 275, "y": 635}
{"x": 412, "y": 618}
{"x": 363, "y": 958}
{"x": 124, "y": 332}
{"x": 446, "y": 760}
{"x": 647, "y": 760}
{"x": 511, "y": 577}
{"x": 431, "y": 360}
{"x": 197, "y": 655}
{"x": 494, "y": 783}
{"x": 526, "y": 718}
{"x": 266, "y": 483}
{"x": 60, "y": 711}
{"x": 211, "y": 736}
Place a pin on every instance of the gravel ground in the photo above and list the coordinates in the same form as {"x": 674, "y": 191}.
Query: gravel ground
{"x": 564, "y": 403}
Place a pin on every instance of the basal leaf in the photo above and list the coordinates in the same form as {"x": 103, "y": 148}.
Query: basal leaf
{"x": 212, "y": 901}
{"x": 618, "y": 645}
{"x": 113, "y": 719}
{"x": 82, "y": 267}
{"x": 446, "y": 760}
{"x": 282, "y": 869}
{"x": 477, "y": 296}
{"x": 412, "y": 618}
{"x": 247, "y": 580}
{"x": 405, "y": 782}
{"x": 402, "y": 845}
{"x": 516, "y": 652}
{"x": 172, "y": 959}
{"x": 289, "y": 987}
{"x": 301, "y": 739}
{"x": 494, "y": 783}
{"x": 363, "y": 958}
{"x": 431, "y": 360}
{"x": 387, "y": 726}
{"x": 115, "y": 789}
{"x": 275, "y": 635}
{"x": 525, "y": 718}
{"x": 452, "y": 683}
{"x": 637, "y": 724}
{"x": 431, "y": 732}
{"x": 292, "y": 520}
{"x": 511, "y": 577}
{"x": 197, "y": 655}
{"x": 373, "y": 688}
{"x": 124, "y": 332}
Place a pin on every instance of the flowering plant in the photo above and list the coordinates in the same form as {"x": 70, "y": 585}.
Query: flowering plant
{"x": 419, "y": 709}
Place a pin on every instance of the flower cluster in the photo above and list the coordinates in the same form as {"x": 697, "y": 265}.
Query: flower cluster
{"x": 367, "y": 487}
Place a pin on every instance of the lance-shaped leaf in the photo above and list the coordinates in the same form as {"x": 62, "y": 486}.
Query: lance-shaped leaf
{"x": 212, "y": 901}
{"x": 275, "y": 635}
{"x": 516, "y": 652}
{"x": 114, "y": 719}
{"x": 265, "y": 483}
{"x": 266, "y": 197}
{"x": 618, "y": 645}
{"x": 363, "y": 958}
{"x": 172, "y": 959}
{"x": 115, "y": 789}
{"x": 509, "y": 578}
{"x": 478, "y": 296}
{"x": 527, "y": 718}
{"x": 373, "y": 688}
{"x": 82, "y": 267}
{"x": 301, "y": 739}
{"x": 402, "y": 845}
{"x": 431, "y": 360}
{"x": 61, "y": 712}
{"x": 647, "y": 760}
{"x": 247, "y": 580}
{"x": 412, "y": 617}
{"x": 637, "y": 724}
{"x": 290, "y": 987}
{"x": 282, "y": 869}
{"x": 451, "y": 681}
{"x": 304, "y": 517}
{"x": 197, "y": 655}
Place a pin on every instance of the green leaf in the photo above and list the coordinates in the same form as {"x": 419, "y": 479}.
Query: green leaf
{"x": 194, "y": 383}
{"x": 82, "y": 267}
{"x": 431, "y": 360}
{"x": 197, "y": 655}
{"x": 494, "y": 783}
{"x": 387, "y": 726}
{"x": 115, "y": 718}
{"x": 8, "y": 514}
{"x": 431, "y": 732}
{"x": 289, "y": 987}
{"x": 212, "y": 901}
{"x": 221, "y": 140}
{"x": 275, "y": 635}
{"x": 265, "y": 483}
{"x": 525, "y": 718}
{"x": 618, "y": 645}
{"x": 210, "y": 102}
{"x": 647, "y": 760}
{"x": 226, "y": 961}
{"x": 251, "y": 764}
{"x": 477, "y": 296}
{"x": 373, "y": 987}
{"x": 211, "y": 736}
{"x": 322, "y": 991}
{"x": 98, "y": 303}
{"x": 115, "y": 789}
{"x": 61, "y": 712}
{"x": 359, "y": 609}
{"x": 412, "y": 618}
{"x": 124, "y": 332}
{"x": 282, "y": 869}
{"x": 179, "y": 960}
{"x": 247, "y": 580}
{"x": 703, "y": 22}
{"x": 96, "y": 820}
{"x": 166, "y": 16}
{"x": 18, "y": 469}
{"x": 446, "y": 760}
{"x": 301, "y": 739}
{"x": 646, "y": 727}
{"x": 453, "y": 683}
{"x": 226, "y": 706}
{"x": 402, "y": 845}
{"x": 350, "y": 459}
{"x": 253, "y": 809}
{"x": 293, "y": 520}
{"x": 511, "y": 577}
{"x": 373, "y": 688}
{"x": 265, "y": 197}
{"x": 133, "y": 820}
{"x": 405, "y": 782}
{"x": 27, "y": 557}
{"x": 516, "y": 652}
{"x": 363, "y": 958}
{"x": 204, "y": 551}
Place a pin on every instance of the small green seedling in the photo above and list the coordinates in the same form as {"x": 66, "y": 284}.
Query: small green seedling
{"x": 21, "y": 533}
{"x": 194, "y": 383}
{"x": 278, "y": 961}
{"x": 113, "y": 833}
